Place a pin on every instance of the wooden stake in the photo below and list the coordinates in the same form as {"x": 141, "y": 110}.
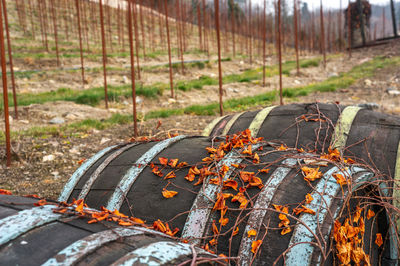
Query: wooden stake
{"x": 5, "y": 91}
{"x": 103, "y": 44}
{"x": 221, "y": 107}
{"x": 280, "y": 52}
{"x": 171, "y": 82}
{"x": 132, "y": 67}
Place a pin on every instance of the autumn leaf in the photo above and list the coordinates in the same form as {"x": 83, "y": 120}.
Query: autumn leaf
{"x": 215, "y": 181}
{"x": 125, "y": 223}
{"x": 236, "y": 231}
{"x": 81, "y": 161}
{"x": 340, "y": 179}
{"x": 213, "y": 242}
{"x": 255, "y": 245}
{"x": 251, "y": 233}
{"x": 304, "y": 209}
{"x": 309, "y": 198}
{"x": 264, "y": 171}
{"x": 173, "y": 162}
{"x": 255, "y": 182}
{"x": 245, "y": 176}
{"x": 136, "y": 220}
{"x": 357, "y": 214}
{"x": 163, "y": 161}
{"x": 181, "y": 164}
{"x": 220, "y": 203}
{"x": 286, "y": 230}
{"x": 229, "y": 183}
{"x": 370, "y": 214}
{"x": 282, "y": 148}
{"x": 256, "y": 158}
{"x": 211, "y": 150}
{"x": 215, "y": 228}
{"x": 5, "y": 192}
{"x": 378, "y": 239}
{"x": 79, "y": 205}
{"x": 169, "y": 193}
{"x": 241, "y": 198}
{"x": 311, "y": 173}
{"x": 170, "y": 175}
{"x": 40, "y": 202}
{"x": 247, "y": 151}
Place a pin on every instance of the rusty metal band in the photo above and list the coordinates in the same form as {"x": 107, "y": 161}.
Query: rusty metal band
{"x": 343, "y": 126}
{"x": 15, "y": 225}
{"x": 259, "y": 210}
{"x": 230, "y": 123}
{"x": 89, "y": 183}
{"x": 159, "y": 253}
{"x": 259, "y": 120}
{"x": 81, "y": 248}
{"x": 306, "y": 229}
{"x": 76, "y": 176}
{"x": 120, "y": 192}
{"x": 199, "y": 214}
{"x": 207, "y": 131}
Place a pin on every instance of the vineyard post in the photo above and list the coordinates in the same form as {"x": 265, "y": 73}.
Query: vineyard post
{"x": 10, "y": 59}
{"x": 383, "y": 23}
{"x": 296, "y": 35}
{"x": 80, "y": 40}
{"x": 136, "y": 37}
{"x": 216, "y": 5}
{"x": 349, "y": 28}
{"x": 132, "y": 57}
{"x": 171, "y": 82}
{"x": 233, "y": 29}
{"x": 322, "y": 33}
{"x": 199, "y": 24}
{"x": 103, "y": 44}
{"x": 264, "y": 29}
{"x": 31, "y": 13}
{"x": 142, "y": 28}
{"x": 180, "y": 34}
{"x": 280, "y": 52}
{"x": 5, "y": 92}
{"x": 340, "y": 26}
{"x": 53, "y": 12}
{"x": 44, "y": 10}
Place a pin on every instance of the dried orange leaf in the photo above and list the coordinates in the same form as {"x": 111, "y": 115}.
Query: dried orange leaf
{"x": 169, "y": 193}
{"x": 5, "y": 192}
{"x": 340, "y": 179}
{"x": 40, "y": 202}
{"x": 236, "y": 231}
{"x": 251, "y": 233}
{"x": 215, "y": 228}
{"x": 163, "y": 161}
{"x": 256, "y": 158}
{"x": 247, "y": 151}
{"x": 255, "y": 245}
{"x": 378, "y": 239}
{"x": 286, "y": 230}
{"x": 181, "y": 164}
{"x": 245, "y": 176}
{"x": 229, "y": 183}
{"x": 213, "y": 242}
{"x": 370, "y": 214}
{"x": 173, "y": 162}
{"x": 282, "y": 148}
{"x": 304, "y": 209}
{"x": 309, "y": 198}
{"x": 311, "y": 173}
{"x": 170, "y": 175}
{"x": 265, "y": 171}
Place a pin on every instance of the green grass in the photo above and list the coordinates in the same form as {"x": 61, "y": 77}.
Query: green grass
{"x": 94, "y": 96}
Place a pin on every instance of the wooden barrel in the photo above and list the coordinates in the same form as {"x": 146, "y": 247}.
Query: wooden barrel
{"x": 131, "y": 178}
{"x": 356, "y": 131}
{"x": 38, "y": 236}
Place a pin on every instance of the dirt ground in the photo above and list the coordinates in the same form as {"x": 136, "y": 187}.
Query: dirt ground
{"x": 42, "y": 166}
